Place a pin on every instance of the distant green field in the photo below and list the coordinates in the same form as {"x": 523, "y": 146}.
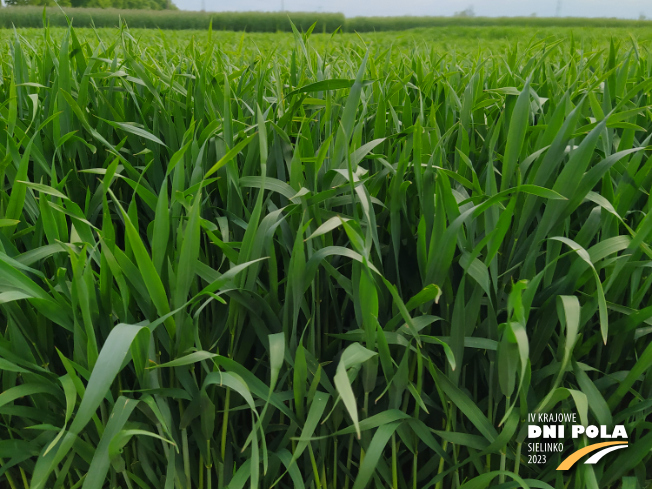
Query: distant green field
{"x": 278, "y": 21}
{"x": 170, "y": 19}
{"x": 461, "y": 39}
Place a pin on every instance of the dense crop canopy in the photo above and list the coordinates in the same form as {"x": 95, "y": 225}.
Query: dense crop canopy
{"x": 332, "y": 267}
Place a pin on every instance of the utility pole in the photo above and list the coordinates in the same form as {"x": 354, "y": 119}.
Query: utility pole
{"x": 203, "y": 5}
{"x": 558, "y": 12}
{"x": 282, "y": 5}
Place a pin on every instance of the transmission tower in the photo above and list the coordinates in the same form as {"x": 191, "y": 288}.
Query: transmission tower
{"x": 558, "y": 12}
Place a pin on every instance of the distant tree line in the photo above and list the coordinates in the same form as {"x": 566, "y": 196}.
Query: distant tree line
{"x": 117, "y": 4}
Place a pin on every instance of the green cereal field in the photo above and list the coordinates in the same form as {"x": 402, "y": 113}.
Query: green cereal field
{"x": 318, "y": 260}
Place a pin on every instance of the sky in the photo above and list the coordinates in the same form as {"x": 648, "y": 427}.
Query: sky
{"x": 629, "y": 9}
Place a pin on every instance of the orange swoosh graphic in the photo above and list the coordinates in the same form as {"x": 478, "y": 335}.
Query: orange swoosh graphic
{"x": 575, "y": 456}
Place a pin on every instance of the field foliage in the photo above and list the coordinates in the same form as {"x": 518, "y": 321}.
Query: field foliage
{"x": 313, "y": 263}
